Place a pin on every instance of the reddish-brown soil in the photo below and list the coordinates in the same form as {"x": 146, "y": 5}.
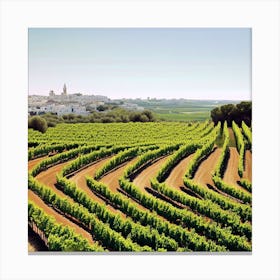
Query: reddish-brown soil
{"x": 203, "y": 175}
{"x": 175, "y": 178}
{"x": 34, "y": 162}
{"x": 80, "y": 180}
{"x": 231, "y": 174}
{"x": 31, "y": 246}
{"x": 48, "y": 177}
{"x": 247, "y": 174}
{"x": 79, "y": 177}
{"x": 142, "y": 180}
{"x": 59, "y": 218}
{"x": 112, "y": 178}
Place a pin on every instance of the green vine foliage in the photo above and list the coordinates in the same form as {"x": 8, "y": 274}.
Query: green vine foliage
{"x": 59, "y": 237}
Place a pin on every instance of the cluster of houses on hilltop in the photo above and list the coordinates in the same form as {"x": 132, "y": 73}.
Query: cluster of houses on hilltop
{"x": 65, "y": 103}
{"x": 58, "y": 109}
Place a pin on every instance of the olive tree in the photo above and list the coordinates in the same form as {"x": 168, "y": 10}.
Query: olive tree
{"x": 38, "y": 123}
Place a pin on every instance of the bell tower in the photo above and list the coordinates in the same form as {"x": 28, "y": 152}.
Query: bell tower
{"x": 64, "y": 90}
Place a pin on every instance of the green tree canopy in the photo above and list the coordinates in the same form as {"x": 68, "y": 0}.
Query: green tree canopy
{"x": 230, "y": 112}
{"x": 38, "y": 123}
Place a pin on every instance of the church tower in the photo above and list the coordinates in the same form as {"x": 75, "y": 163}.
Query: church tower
{"x": 64, "y": 90}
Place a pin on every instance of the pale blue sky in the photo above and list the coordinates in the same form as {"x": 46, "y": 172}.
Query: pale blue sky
{"x": 196, "y": 63}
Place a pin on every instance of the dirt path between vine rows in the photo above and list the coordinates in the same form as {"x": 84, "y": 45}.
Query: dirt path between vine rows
{"x": 112, "y": 181}
{"x": 80, "y": 180}
{"x": 231, "y": 176}
{"x": 112, "y": 178}
{"x": 142, "y": 180}
{"x": 34, "y": 241}
{"x": 231, "y": 173}
{"x": 48, "y": 178}
{"x": 59, "y": 218}
{"x": 175, "y": 178}
{"x": 33, "y": 162}
{"x": 248, "y": 166}
{"x": 203, "y": 175}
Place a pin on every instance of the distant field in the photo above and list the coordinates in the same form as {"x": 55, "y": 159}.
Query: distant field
{"x": 184, "y": 116}
{"x": 181, "y": 109}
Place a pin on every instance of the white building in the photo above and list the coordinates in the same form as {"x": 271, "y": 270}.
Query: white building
{"x": 69, "y": 109}
{"x": 58, "y": 109}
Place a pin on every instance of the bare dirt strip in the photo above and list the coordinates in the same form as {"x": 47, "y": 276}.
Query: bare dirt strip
{"x": 48, "y": 178}
{"x": 112, "y": 178}
{"x": 112, "y": 181}
{"x": 248, "y": 166}
{"x": 142, "y": 180}
{"x": 33, "y": 162}
{"x": 175, "y": 178}
{"x": 80, "y": 180}
{"x": 231, "y": 173}
{"x": 59, "y": 218}
{"x": 32, "y": 247}
{"x": 203, "y": 175}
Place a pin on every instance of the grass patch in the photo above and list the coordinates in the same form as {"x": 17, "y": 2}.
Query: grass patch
{"x": 183, "y": 117}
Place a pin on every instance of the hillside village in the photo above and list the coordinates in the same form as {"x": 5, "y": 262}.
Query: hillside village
{"x": 76, "y": 103}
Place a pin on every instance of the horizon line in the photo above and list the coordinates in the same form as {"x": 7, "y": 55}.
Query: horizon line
{"x": 150, "y": 98}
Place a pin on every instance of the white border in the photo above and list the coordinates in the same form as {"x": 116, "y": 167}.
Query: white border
{"x": 262, "y": 16}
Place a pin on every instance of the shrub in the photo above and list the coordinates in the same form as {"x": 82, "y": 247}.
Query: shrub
{"x": 38, "y": 123}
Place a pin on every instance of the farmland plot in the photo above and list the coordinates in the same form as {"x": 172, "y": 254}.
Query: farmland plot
{"x": 140, "y": 187}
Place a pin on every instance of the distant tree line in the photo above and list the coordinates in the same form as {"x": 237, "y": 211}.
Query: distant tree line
{"x": 42, "y": 122}
{"x": 230, "y": 112}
